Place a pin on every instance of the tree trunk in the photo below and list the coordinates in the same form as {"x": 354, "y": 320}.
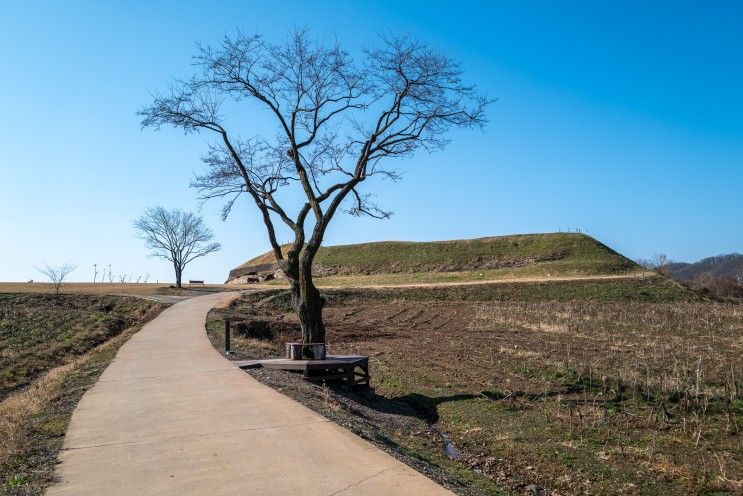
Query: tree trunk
{"x": 308, "y": 304}
{"x": 178, "y": 273}
{"x": 310, "y": 314}
{"x": 307, "y": 301}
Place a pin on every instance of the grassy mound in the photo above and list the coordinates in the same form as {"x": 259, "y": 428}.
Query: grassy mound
{"x": 553, "y": 254}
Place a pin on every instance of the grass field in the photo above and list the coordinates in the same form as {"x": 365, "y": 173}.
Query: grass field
{"x": 52, "y": 349}
{"x": 605, "y": 387}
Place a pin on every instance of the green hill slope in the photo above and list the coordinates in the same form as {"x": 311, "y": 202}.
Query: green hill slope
{"x": 391, "y": 262}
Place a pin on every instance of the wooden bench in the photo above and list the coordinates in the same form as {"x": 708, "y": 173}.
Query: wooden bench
{"x": 353, "y": 370}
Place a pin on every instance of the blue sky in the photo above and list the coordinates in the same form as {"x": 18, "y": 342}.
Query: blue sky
{"x": 623, "y": 119}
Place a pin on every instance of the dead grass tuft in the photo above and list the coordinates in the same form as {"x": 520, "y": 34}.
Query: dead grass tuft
{"x": 16, "y": 411}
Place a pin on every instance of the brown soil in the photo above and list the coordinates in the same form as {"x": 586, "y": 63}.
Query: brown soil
{"x": 542, "y": 397}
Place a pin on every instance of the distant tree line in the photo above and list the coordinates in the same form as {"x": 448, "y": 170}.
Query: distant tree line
{"x": 725, "y": 287}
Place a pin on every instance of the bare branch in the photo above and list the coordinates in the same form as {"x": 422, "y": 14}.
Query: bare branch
{"x": 363, "y": 205}
{"x": 337, "y": 124}
{"x": 57, "y": 273}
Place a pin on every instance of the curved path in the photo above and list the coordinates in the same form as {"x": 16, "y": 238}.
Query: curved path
{"x": 171, "y": 416}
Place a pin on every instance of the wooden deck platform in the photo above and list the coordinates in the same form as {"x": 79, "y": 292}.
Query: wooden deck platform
{"x": 352, "y": 369}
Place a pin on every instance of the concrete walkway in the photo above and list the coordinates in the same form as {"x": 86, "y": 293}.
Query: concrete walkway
{"x": 171, "y": 416}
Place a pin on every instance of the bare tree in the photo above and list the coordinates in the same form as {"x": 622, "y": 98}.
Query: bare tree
{"x": 337, "y": 124}
{"x": 175, "y": 235}
{"x": 57, "y": 273}
{"x": 659, "y": 262}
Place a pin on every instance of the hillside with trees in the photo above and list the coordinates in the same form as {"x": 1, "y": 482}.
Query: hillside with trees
{"x": 730, "y": 265}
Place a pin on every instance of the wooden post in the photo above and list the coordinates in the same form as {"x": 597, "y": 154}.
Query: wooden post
{"x": 294, "y": 351}
{"x": 314, "y": 351}
{"x": 227, "y": 343}
{"x": 311, "y": 351}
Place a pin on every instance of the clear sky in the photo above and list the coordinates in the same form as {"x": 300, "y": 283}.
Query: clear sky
{"x": 622, "y": 119}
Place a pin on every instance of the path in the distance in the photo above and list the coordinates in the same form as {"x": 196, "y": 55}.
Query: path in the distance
{"x": 171, "y": 416}
{"x": 485, "y": 282}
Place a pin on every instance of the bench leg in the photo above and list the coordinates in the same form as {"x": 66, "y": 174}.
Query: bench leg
{"x": 350, "y": 380}
{"x": 365, "y": 375}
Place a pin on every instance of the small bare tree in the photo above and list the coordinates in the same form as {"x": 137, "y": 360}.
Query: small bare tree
{"x": 57, "y": 273}
{"x": 659, "y": 262}
{"x": 175, "y": 235}
{"x": 337, "y": 124}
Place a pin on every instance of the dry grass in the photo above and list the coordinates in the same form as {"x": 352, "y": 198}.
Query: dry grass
{"x": 688, "y": 351}
{"x": 16, "y": 411}
{"x": 126, "y": 289}
{"x": 33, "y": 421}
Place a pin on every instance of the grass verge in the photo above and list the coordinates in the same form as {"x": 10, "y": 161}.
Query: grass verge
{"x": 39, "y": 400}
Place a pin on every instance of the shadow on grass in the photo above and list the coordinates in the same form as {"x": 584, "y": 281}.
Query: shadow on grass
{"x": 414, "y": 405}
{"x": 426, "y": 408}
